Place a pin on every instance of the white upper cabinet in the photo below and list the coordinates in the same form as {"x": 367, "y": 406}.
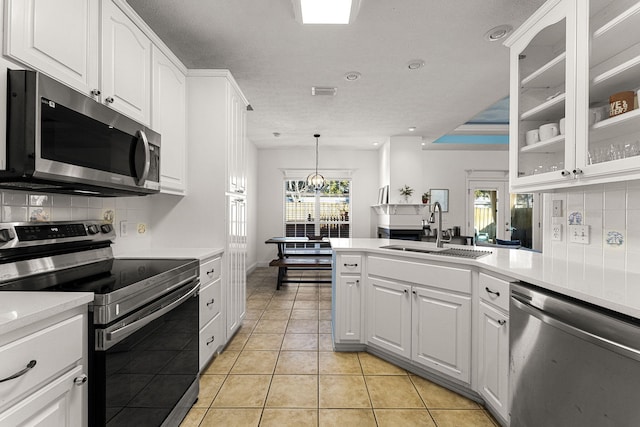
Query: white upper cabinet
{"x": 58, "y": 37}
{"x": 236, "y": 150}
{"x": 169, "y": 119}
{"x": 126, "y": 65}
{"x": 567, "y": 60}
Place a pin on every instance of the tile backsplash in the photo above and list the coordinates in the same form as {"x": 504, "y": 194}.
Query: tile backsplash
{"x": 612, "y": 213}
{"x": 18, "y": 206}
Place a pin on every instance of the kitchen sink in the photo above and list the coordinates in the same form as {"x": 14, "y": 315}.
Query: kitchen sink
{"x": 454, "y": 252}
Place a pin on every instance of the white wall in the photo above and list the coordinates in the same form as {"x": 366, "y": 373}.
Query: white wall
{"x": 447, "y": 169}
{"x": 364, "y": 165}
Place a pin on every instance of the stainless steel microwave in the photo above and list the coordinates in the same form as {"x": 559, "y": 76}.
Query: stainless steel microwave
{"x": 59, "y": 140}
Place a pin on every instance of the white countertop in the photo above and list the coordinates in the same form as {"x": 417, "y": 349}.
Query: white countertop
{"x": 616, "y": 290}
{"x": 18, "y": 309}
{"x": 200, "y": 253}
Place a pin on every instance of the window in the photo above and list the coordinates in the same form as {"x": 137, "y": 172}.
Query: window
{"x": 325, "y": 213}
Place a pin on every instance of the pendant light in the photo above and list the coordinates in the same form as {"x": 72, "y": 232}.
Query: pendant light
{"x": 315, "y": 181}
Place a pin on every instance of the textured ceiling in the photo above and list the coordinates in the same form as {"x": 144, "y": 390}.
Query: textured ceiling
{"x": 276, "y": 61}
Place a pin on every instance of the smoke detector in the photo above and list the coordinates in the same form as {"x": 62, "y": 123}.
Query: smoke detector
{"x": 323, "y": 91}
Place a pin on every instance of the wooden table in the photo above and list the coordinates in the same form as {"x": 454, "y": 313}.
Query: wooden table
{"x": 316, "y": 257}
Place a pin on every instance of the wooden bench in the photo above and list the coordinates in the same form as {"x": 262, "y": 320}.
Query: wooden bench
{"x": 304, "y": 263}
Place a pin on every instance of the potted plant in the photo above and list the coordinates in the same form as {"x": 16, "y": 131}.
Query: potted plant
{"x": 406, "y": 192}
{"x": 425, "y": 198}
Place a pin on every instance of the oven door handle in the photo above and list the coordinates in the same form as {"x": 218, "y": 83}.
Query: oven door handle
{"x": 124, "y": 331}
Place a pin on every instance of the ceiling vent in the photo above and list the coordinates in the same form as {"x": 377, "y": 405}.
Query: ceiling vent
{"x": 323, "y": 91}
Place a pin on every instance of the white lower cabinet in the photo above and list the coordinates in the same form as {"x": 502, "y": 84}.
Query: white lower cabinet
{"x": 493, "y": 343}
{"x": 442, "y": 332}
{"x": 349, "y": 309}
{"x": 389, "y": 316}
{"x": 43, "y": 372}
{"x": 211, "y": 336}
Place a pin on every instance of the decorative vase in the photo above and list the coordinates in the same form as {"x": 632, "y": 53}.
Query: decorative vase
{"x": 405, "y": 199}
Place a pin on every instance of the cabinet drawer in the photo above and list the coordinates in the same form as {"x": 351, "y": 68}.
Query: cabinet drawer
{"x": 350, "y": 263}
{"x": 494, "y": 291}
{"x": 54, "y": 349}
{"x": 210, "y": 302}
{"x": 209, "y": 271}
{"x": 210, "y": 340}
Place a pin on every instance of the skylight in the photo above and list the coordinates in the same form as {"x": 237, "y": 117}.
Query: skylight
{"x": 325, "y": 11}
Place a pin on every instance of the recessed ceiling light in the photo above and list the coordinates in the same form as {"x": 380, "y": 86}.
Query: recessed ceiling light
{"x": 352, "y": 75}
{"x": 412, "y": 128}
{"x": 376, "y": 143}
{"x": 415, "y": 64}
{"x": 423, "y": 144}
{"x": 276, "y": 134}
{"x": 498, "y": 33}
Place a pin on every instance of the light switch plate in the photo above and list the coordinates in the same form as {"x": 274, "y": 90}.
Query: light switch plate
{"x": 124, "y": 229}
{"x": 556, "y": 232}
{"x": 579, "y": 234}
{"x": 557, "y": 208}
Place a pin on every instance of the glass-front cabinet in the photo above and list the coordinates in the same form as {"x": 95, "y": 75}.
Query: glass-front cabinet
{"x": 575, "y": 73}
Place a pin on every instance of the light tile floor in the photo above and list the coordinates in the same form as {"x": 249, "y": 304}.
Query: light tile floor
{"x": 280, "y": 370}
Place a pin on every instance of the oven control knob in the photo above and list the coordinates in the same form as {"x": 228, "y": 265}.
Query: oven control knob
{"x": 93, "y": 229}
{"x": 7, "y": 235}
{"x": 106, "y": 228}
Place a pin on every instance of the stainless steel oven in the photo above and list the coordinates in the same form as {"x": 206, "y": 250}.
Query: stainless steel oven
{"x": 60, "y": 140}
{"x": 143, "y": 329}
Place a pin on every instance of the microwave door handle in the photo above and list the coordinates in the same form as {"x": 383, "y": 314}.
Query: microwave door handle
{"x": 141, "y": 178}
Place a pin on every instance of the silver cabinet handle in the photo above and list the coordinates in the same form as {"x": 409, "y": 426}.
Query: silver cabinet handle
{"x": 577, "y": 171}
{"x": 351, "y": 265}
{"x": 501, "y": 322}
{"x": 213, "y": 301}
{"x": 492, "y": 292}
{"x": 96, "y": 92}
{"x": 414, "y": 292}
{"x": 213, "y": 338}
{"x": 80, "y": 380}
{"x": 109, "y": 100}
{"x": 406, "y": 292}
{"x": 30, "y": 365}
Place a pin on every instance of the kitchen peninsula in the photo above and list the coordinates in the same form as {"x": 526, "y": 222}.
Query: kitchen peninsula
{"x": 445, "y": 317}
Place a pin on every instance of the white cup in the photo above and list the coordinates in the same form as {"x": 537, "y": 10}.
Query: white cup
{"x": 562, "y": 125}
{"x": 548, "y": 131}
{"x": 532, "y": 136}
{"x": 596, "y": 114}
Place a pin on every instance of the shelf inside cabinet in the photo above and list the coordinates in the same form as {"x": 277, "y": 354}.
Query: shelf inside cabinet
{"x": 616, "y": 35}
{"x": 551, "y": 74}
{"x": 549, "y": 110}
{"x": 622, "y": 77}
{"x": 551, "y": 145}
{"x": 624, "y": 124}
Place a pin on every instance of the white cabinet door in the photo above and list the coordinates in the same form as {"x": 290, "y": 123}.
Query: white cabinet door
{"x": 236, "y": 276}
{"x": 236, "y": 150}
{"x": 442, "y": 332}
{"x": 493, "y": 357}
{"x": 169, "y": 119}
{"x": 58, "y": 403}
{"x": 348, "y": 309}
{"x": 126, "y": 65}
{"x": 389, "y": 316}
{"x": 59, "y": 38}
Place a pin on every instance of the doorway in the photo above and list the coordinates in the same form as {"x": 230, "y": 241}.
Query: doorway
{"x": 497, "y": 217}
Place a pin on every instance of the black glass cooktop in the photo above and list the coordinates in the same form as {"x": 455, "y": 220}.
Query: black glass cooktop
{"x": 102, "y": 277}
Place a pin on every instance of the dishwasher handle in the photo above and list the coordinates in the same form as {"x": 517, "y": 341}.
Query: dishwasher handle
{"x": 579, "y": 320}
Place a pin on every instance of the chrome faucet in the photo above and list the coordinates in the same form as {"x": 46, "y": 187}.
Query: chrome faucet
{"x": 439, "y": 240}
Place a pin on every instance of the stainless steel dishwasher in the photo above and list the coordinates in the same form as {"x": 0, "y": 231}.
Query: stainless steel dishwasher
{"x": 571, "y": 364}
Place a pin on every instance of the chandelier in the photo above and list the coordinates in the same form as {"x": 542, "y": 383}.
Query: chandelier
{"x": 315, "y": 181}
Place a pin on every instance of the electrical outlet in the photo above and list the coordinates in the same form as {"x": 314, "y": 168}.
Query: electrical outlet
{"x": 579, "y": 234}
{"x": 557, "y": 208}
{"x": 556, "y": 232}
{"x": 124, "y": 229}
